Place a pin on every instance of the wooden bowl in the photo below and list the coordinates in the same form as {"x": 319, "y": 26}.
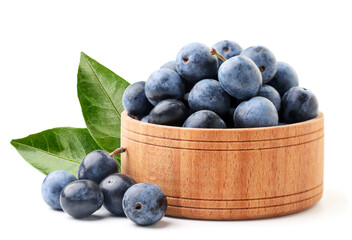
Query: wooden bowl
{"x": 228, "y": 173}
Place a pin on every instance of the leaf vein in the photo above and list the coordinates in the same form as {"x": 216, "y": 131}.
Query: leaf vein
{"x": 101, "y": 86}
{"x": 54, "y": 155}
{"x": 47, "y": 143}
{"x": 57, "y": 140}
{"x": 82, "y": 147}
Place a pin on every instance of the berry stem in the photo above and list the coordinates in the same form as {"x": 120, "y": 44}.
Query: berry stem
{"x": 118, "y": 150}
{"x": 214, "y": 52}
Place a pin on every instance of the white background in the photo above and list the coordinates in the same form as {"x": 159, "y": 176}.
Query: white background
{"x": 40, "y": 48}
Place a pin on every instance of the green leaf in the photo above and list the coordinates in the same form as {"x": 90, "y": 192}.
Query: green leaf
{"x": 100, "y": 94}
{"x": 56, "y": 149}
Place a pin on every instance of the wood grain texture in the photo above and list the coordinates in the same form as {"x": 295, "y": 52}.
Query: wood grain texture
{"x": 228, "y": 173}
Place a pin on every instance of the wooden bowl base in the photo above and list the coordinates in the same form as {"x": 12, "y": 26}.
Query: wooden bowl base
{"x": 243, "y": 209}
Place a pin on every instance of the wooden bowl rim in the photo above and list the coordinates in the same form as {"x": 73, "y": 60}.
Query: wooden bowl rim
{"x": 317, "y": 118}
{"x": 235, "y": 134}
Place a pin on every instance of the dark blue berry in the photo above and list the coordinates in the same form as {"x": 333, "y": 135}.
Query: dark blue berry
{"x": 169, "y": 65}
{"x": 209, "y": 95}
{"x": 114, "y": 187}
{"x": 256, "y": 112}
{"x": 284, "y": 79}
{"x": 53, "y": 185}
{"x": 81, "y": 198}
{"x": 298, "y": 104}
{"x": 194, "y": 63}
{"x": 204, "y": 119}
{"x": 240, "y": 77}
{"x": 164, "y": 84}
{"x": 264, "y": 59}
{"x": 172, "y": 66}
{"x": 144, "y": 203}
{"x": 227, "y": 48}
{"x": 270, "y": 93}
{"x": 96, "y": 166}
{"x": 134, "y": 100}
{"x": 170, "y": 112}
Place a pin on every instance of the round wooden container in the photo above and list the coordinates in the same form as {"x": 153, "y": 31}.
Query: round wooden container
{"x": 228, "y": 173}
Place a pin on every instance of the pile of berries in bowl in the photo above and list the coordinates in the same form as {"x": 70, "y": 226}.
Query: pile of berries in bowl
{"x": 221, "y": 87}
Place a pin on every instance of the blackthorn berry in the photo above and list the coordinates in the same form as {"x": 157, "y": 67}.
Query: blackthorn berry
{"x": 204, "y": 119}
{"x": 169, "y": 65}
{"x": 284, "y": 79}
{"x": 134, "y": 100}
{"x": 170, "y": 112}
{"x": 144, "y": 203}
{"x": 240, "y": 77}
{"x": 164, "y": 84}
{"x": 298, "y": 104}
{"x": 81, "y": 198}
{"x": 194, "y": 63}
{"x": 53, "y": 185}
{"x": 209, "y": 95}
{"x": 114, "y": 187}
{"x": 264, "y": 59}
{"x": 227, "y": 48}
{"x": 97, "y": 165}
{"x": 172, "y": 66}
{"x": 256, "y": 112}
{"x": 270, "y": 93}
